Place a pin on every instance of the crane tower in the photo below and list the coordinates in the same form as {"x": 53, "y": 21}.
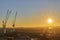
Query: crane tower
{"x": 5, "y": 20}
{"x": 14, "y": 21}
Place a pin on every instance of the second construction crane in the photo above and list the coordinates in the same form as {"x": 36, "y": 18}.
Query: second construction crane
{"x": 14, "y": 21}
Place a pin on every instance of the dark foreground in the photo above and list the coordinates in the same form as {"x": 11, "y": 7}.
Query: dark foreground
{"x": 30, "y": 34}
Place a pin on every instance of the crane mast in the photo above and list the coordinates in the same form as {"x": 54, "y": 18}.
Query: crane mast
{"x": 14, "y": 21}
{"x": 7, "y": 15}
{"x": 5, "y": 20}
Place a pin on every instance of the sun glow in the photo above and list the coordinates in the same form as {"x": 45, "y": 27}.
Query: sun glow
{"x": 50, "y": 21}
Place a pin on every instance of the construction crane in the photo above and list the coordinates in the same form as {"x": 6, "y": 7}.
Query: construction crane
{"x": 14, "y": 21}
{"x": 5, "y": 20}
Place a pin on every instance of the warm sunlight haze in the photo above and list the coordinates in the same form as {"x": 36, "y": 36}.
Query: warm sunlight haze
{"x": 50, "y": 20}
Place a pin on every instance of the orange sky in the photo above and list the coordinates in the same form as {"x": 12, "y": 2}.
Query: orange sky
{"x": 31, "y": 13}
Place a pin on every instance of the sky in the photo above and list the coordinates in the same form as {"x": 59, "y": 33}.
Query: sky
{"x": 31, "y": 13}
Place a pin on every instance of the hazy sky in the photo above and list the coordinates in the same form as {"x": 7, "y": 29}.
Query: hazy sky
{"x": 31, "y": 12}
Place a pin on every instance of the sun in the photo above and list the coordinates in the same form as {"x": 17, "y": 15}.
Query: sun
{"x": 50, "y": 20}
